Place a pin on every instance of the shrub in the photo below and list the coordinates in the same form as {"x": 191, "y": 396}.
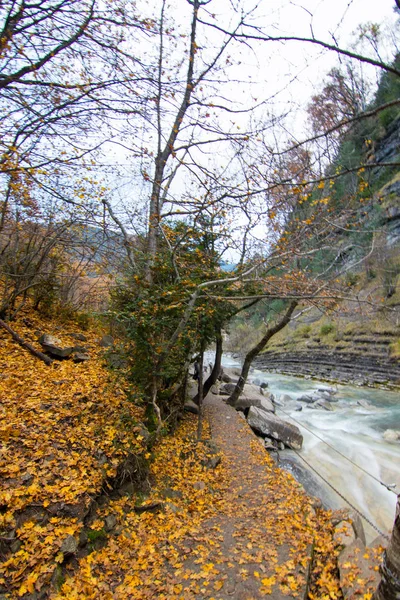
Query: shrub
{"x": 303, "y": 331}
{"x": 327, "y": 328}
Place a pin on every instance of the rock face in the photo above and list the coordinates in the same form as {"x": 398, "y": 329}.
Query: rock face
{"x": 366, "y": 362}
{"x": 269, "y": 425}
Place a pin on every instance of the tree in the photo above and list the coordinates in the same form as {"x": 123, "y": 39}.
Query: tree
{"x": 389, "y": 587}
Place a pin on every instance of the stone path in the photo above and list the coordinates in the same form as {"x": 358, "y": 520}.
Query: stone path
{"x": 260, "y": 542}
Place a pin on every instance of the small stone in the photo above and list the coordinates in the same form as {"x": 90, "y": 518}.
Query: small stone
{"x": 82, "y": 349}
{"x": 199, "y": 485}
{"x": 69, "y": 545}
{"x": 110, "y": 522}
{"x": 26, "y": 477}
{"x": 83, "y": 538}
{"x": 212, "y": 463}
{"x": 80, "y": 358}
{"x": 79, "y": 336}
{"x": 106, "y": 341}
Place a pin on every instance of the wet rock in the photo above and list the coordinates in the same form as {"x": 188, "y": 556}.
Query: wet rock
{"x": 308, "y": 398}
{"x": 391, "y": 435}
{"x": 15, "y": 546}
{"x": 269, "y": 425}
{"x": 325, "y": 404}
{"x": 212, "y": 462}
{"x": 364, "y": 403}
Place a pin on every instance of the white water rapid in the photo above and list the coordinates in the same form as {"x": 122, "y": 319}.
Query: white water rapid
{"x": 353, "y": 429}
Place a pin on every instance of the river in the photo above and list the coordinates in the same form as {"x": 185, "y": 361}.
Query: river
{"x": 356, "y": 431}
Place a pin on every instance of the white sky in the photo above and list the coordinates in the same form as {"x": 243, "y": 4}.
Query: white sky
{"x": 287, "y": 73}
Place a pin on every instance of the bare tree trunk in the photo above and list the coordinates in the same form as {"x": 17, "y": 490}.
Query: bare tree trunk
{"x": 46, "y": 359}
{"x": 164, "y": 155}
{"x": 389, "y": 587}
{"x": 250, "y": 356}
{"x": 200, "y": 394}
{"x": 216, "y": 368}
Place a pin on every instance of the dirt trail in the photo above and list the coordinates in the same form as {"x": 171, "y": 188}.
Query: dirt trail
{"x": 260, "y": 542}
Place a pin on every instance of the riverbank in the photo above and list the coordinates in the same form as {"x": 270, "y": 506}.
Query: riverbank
{"x": 344, "y": 442}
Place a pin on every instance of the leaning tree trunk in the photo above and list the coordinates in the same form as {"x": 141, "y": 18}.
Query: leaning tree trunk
{"x": 209, "y": 382}
{"x": 389, "y": 587}
{"x": 250, "y": 356}
{"x": 200, "y": 395}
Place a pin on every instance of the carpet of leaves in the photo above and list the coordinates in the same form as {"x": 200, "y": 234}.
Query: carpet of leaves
{"x": 63, "y": 434}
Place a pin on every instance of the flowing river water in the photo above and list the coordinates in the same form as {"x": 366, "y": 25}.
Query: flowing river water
{"x": 356, "y": 431}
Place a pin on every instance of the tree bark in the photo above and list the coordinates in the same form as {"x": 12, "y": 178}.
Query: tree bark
{"x": 200, "y": 394}
{"x": 216, "y": 368}
{"x": 26, "y": 345}
{"x": 250, "y": 356}
{"x": 389, "y": 587}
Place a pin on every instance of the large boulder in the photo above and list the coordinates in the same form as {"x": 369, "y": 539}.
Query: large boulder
{"x": 190, "y": 406}
{"x": 231, "y": 374}
{"x": 53, "y": 346}
{"x": 226, "y": 389}
{"x": 251, "y": 388}
{"x": 258, "y": 400}
{"x": 269, "y": 425}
